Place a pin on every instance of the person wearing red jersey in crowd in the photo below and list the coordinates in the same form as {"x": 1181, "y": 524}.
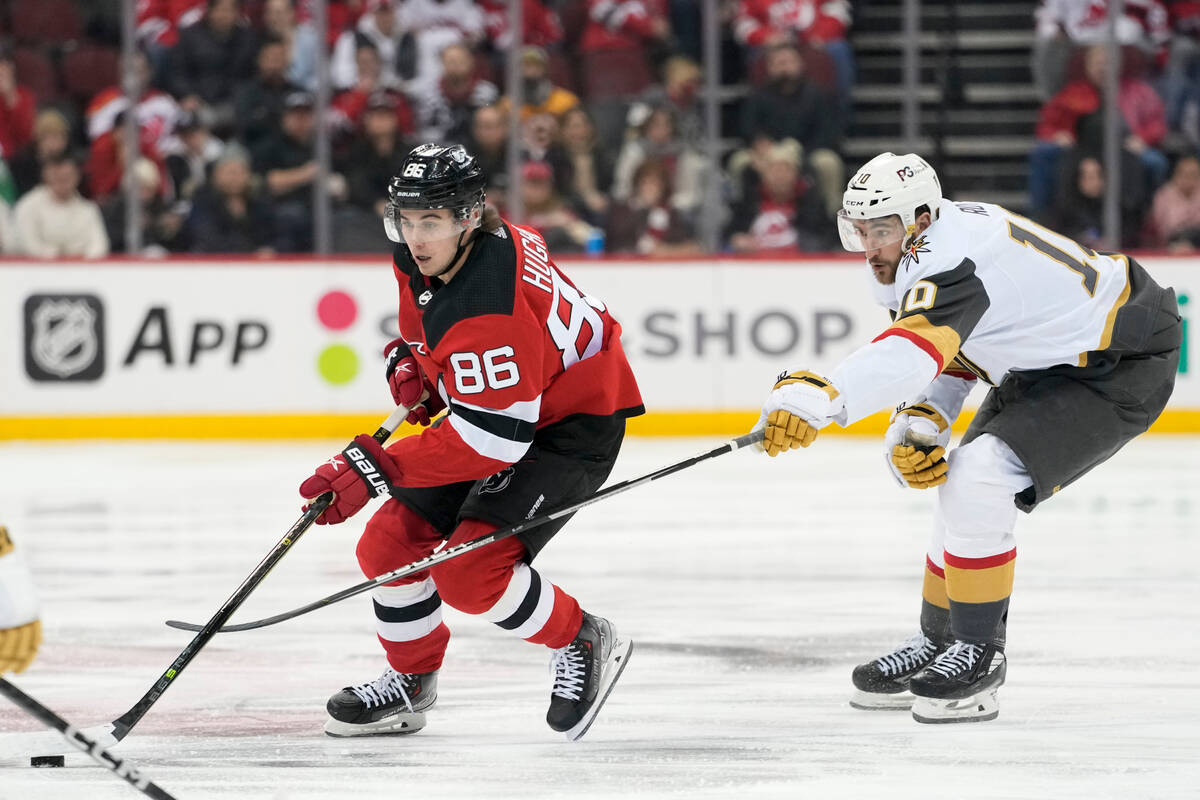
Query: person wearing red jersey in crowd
{"x": 537, "y": 390}
{"x": 17, "y": 108}
{"x": 156, "y": 112}
{"x": 820, "y": 24}
{"x": 782, "y": 209}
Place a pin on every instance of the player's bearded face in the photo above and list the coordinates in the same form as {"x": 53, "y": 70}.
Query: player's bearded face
{"x": 432, "y": 236}
{"x": 880, "y": 240}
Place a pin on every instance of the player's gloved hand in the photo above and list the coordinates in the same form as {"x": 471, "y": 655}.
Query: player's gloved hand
{"x": 408, "y": 385}
{"x": 21, "y": 630}
{"x": 915, "y": 446}
{"x": 362, "y": 471}
{"x": 800, "y": 405}
{"x": 19, "y": 645}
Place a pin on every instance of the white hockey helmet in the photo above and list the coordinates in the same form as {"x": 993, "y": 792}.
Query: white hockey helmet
{"x": 887, "y": 185}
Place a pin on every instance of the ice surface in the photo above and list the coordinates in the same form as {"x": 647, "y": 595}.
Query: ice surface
{"x": 750, "y": 586}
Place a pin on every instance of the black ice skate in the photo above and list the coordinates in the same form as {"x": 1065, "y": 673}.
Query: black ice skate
{"x": 395, "y": 702}
{"x": 960, "y": 685}
{"x": 883, "y": 683}
{"x": 584, "y": 673}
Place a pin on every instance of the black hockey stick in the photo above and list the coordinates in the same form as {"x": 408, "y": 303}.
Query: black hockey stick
{"x": 124, "y": 723}
{"x": 474, "y": 544}
{"x": 83, "y": 742}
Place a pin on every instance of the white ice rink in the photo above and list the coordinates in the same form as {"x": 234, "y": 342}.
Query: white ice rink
{"x": 750, "y": 587}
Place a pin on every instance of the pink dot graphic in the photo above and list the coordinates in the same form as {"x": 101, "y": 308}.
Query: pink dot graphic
{"x": 337, "y": 310}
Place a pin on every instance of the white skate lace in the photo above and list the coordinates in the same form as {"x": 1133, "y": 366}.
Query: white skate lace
{"x": 959, "y": 658}
{"x": 567, "y": 667}
{"x": 384, "y": 689}
{"x": 915, "y": 650}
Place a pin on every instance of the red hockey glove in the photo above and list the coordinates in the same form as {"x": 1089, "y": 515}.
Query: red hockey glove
{"x": 361, "y": 471}
{"x": 409, "y": 386}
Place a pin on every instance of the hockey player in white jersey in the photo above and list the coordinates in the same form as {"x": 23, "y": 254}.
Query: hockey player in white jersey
{"x": 1080, "y": 350}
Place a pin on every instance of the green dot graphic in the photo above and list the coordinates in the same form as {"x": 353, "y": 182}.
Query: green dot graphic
{"x": 337, "y": 364}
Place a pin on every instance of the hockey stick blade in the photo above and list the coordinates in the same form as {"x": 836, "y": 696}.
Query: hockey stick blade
{"x": 124, "y": 723}
{"x": 754, "y": 437}
{"x": 82, "y": 741}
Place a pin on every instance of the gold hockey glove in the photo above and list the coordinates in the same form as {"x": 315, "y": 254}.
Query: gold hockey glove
{"x": 19, "y": 645}
{"x": 918, "y": 436}
{"x": 800, "y": 404}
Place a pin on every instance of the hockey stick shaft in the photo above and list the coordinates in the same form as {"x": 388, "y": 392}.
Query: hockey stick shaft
{"x": 124, "y": 723}
{"x": 81, "y": 741}
{"x": 482, "y": 541}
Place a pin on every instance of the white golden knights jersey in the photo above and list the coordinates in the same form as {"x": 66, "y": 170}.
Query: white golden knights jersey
{"x": 986, "y": 292}
{"x": 512, "y": 346}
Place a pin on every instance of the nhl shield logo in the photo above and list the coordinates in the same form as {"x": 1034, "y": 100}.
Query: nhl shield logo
{"x": 64, "y": 337}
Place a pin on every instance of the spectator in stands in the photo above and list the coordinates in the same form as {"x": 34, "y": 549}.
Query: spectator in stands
{"x": 591, "y": 165}
{"x": 541, "y": 96}
{"x": 489, "y": 145}
{"x": 1063, "y": 26}
{"x": 286, "y": 163}
{"x": 375, "y": 156}
{"x": 539, "y": 142}
{"x": 445, "y": 114}
{"x": 156, "y": 111}
{"x": 160, "y": 223}
{"x": 1175, "y": 215}
{"x": 545, "y": 211}
{"x": 379, "y": 28}
{"x": 788, "y": 106}
{"x": 259, "y": 102}
{"x": 17, "y": 105}
{"x": 1079, "y": 213}
{"x": 190, "y": 155}
{"x": 54, "y": 221}
{"x": 212, "y": 57}
{"x": 618, "y": 48}
{"x": 158, "y": 24}
{"x": 656, "y": 137}
{"x": 51, "y": 139}
{"x": 540, "y": 25}
{"x": 782, "y": 210}
{"x": 348, "y": 106}
{"x": 817, "y": 24}
{"x": 437, "y": 24}
{"x": 646, "y": 223}
{"x": 1074, "y": 117}
{"x": 106, "y": 160}
{"x": 226, "y": 216}
{"x": 300, "y": 38}
{"x": 680, "y": 93}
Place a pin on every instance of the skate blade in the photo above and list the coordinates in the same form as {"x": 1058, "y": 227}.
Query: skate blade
{"x": 613, "y": 668}
{"x": 877, "y": 701}
{"x": 400, "y": 724}
{"x": 980, "y": 707}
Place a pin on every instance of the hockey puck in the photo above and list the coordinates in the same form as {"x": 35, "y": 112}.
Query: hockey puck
{"x": 48, "y": 761}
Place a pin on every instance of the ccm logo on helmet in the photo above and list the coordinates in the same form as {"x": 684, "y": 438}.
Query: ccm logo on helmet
{"x": 367, "y": 470}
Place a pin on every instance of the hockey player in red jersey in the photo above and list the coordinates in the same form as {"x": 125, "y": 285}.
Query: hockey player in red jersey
{"x": 537, "y": 390}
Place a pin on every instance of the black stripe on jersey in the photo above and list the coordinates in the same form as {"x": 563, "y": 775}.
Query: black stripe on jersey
{"x": 498, "y": 425}
{"x": 528, "y": 605}
{"x": 486, "y": 284}
{"x": 971, "y": 366}
{"x": 412, "y": 613}
{"x": 959, "y": 302}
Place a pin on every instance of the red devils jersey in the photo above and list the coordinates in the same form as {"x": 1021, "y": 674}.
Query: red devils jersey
{"x": 512, "y": 346}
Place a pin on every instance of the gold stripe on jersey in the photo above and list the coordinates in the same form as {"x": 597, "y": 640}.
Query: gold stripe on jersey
{"x": 980, "y": 585}
{"x": 970, "y": 366}
{"x": 943, "y": 338}
{"x": 934, "y": 589}
{"x": 1110, "y": 321}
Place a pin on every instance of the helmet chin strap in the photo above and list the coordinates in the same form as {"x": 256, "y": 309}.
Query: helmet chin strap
{"x": 458, "y": 251}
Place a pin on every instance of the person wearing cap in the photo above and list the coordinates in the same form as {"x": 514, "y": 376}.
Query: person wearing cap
{"x": 545, "y": 210}
{"x": 193, "y": 150}
{"x": 376, "y": 153}
{"x": 540, "y": 95}
{"x": 782, "y": 208}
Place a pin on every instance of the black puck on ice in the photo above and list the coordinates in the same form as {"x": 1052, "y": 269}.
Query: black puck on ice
{"x": 48, "y": 761}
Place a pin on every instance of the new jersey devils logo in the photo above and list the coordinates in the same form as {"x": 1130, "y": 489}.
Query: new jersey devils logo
{"x": 494, "y": 484}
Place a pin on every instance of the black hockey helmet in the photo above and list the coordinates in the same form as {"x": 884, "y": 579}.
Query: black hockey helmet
{"x": 434, "y": 176}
